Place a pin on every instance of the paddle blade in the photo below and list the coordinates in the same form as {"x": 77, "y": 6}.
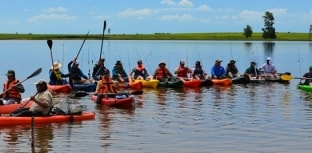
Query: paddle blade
{"x": 49, "y": 42}
{"x": 286, "y": 77}
{"x": 138, "y": 92}
{"x": 38, "y": 71}
{"x": 104, "y": 27}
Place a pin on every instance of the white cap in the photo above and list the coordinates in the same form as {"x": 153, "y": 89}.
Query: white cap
{"x": 268, "y": 58}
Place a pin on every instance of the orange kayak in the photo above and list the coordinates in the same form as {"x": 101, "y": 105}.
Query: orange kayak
{"x": 7, "y": 109}
{"x": 191, "y": 83}
{"x": 122, "y": 102}
{"x": 10, "y": 120}
{"x": 222, "y": 82}
{"x": 131, "y": 85}
{"x": 64, "y": 88}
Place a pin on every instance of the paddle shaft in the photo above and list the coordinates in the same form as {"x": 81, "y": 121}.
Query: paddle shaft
{"x": 82, "y": 45}
{"x": 104, "y": 27}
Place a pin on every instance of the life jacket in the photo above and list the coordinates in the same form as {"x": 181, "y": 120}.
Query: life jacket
{"x": 162, "y": 73}
{"x": 12, "y": 93}
{"x": 182, "y": 72}
{"x": 58, "y": 75}
{"x": 107, "y": 86}
{"x": 139, "y": 71}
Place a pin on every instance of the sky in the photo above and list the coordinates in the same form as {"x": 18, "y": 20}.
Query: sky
{"x": 150, "y": 16}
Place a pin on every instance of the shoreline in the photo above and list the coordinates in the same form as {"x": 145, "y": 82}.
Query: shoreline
{"x": 234, "y": 36}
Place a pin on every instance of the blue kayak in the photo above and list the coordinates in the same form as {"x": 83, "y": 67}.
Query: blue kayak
{"x": 90, "y": 87}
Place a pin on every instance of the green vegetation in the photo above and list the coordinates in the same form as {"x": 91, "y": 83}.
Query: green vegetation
{"x": 256, "y": 36}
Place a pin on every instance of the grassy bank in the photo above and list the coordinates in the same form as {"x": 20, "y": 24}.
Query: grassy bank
{"x": 159, "y": 36}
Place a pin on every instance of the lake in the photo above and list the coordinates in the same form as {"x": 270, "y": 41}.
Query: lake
{"x": 269, "y": 117}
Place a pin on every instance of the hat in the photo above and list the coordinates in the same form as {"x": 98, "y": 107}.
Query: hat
{"x": 232, "y": 61}
{"x": 56, "y": 65}
{"x": 197, "y": 63}
{"x": 41, "y": 81}
{"x": 310, "y": 68}
{"x": 118, "y": 63}
{"x": 218, "y": 61}
{"x": 11, "y": 73}
{"x": 139, "y": 61}
{"x": 268, "y": 58}
{"x": 162, "y": 62}
{"x": 182, "y": 62}
{"x": 253, "y": 62}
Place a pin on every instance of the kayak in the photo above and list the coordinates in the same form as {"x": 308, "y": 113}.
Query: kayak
{"x": 206, "y": 83}
{"x": 153, "y": 83}
{"x": 255, "y": 80}
{"x": 131, "y": 85}
{"x": 222, "y": 82}
{"x": 122, "y": 101}
{"x": 305, "y": 87}
{"x": 191, "y": 83}
{"x": 90, "y": 87}
{"x": 240, "y": 80}
{"x": 171, "y": 83}
{"x": 64, "y": 88}
{"x": 12, "y": 120}
{"x": 7, "y": 109}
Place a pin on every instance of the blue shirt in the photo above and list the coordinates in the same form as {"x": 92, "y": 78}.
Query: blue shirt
{"x": 217, "y": 71}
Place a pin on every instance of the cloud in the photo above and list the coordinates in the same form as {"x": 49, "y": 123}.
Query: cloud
{"x": 56, "y": 14}
{"x": 140, "y": 14}
{"x": 249, "y": 15}
{"x": 185, "y": 3}
{"x": 184, "y": 17}
{"x": 204, "y": 8}
{"x": 167, "y": 2}
{"x": 278, "y": 11}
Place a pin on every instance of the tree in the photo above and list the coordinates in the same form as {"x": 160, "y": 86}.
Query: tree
{"x": 268, "y": 30}
{"x": 248, "y": 31}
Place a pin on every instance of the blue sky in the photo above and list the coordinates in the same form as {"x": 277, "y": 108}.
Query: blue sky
{"x": 150, "y": 16}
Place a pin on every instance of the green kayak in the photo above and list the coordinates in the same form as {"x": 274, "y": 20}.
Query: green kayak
{"x": 305, "y": 87}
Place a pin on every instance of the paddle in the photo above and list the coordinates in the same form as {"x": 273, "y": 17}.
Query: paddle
{"x": 104, "y": 27}
{"x": 83, "y": 93}
{"x": 38, "y": 71}
{"x": 82, "y": 45}
{"x": 49, "y": 42}
{"x": 289, "y": 77}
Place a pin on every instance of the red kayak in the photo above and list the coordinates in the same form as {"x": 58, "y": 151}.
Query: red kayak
{"x": 191, "y": 83}
{"x": 7, "y": 109}
{"x": 122, "y": 101}
{"x": 222, "y": 82}
{"x": 64, "y": 88}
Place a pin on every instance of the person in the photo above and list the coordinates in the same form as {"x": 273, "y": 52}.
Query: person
{"x": 162, "y": 73}
{"x": 217, "y": 71}
{"x": 76, "y": 76}
{"x": 182, "y": 71}
{"x": 232, "y": 70}
{"x": 12, "y": 89}
{"x": 56, "y": 76}
{"x": 198, "y": 72}
{"x": 119, "y": 74}
{"x": 42, "y": 102}
{"x": 139, "y": 72}
{"x": 268, "y": 68}
{"x": 105, "y": 87}
{"x": 307, "y": 77}
{"x": 98, "y": 69}
{"x": 252, "y": 70}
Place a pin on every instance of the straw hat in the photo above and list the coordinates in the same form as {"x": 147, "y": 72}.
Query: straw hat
{"x": 56, "y": 65}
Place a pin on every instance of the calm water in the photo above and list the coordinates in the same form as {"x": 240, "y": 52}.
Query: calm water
{"x": 270, "y": 117}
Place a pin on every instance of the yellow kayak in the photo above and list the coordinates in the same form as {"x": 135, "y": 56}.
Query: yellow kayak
{"x": 152, "y": 83}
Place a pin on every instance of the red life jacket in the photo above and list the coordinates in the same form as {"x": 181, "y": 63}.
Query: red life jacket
{"x": 182, "y": 72}
{"x": 12, "y": 93}
{"x": 162, "y": 73}
{"x": 107, "y": 86}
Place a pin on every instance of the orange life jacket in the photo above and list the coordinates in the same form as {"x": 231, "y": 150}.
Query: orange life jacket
{"x": 182, "y": 72}
{"x": 12, "y": 93}
{"x": 107, "y": 86}
{"x": 140, "y": 68}
{"x": 162, "y": 73}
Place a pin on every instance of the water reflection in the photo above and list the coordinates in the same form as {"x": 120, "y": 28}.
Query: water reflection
{"x": 268, "y": 48}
